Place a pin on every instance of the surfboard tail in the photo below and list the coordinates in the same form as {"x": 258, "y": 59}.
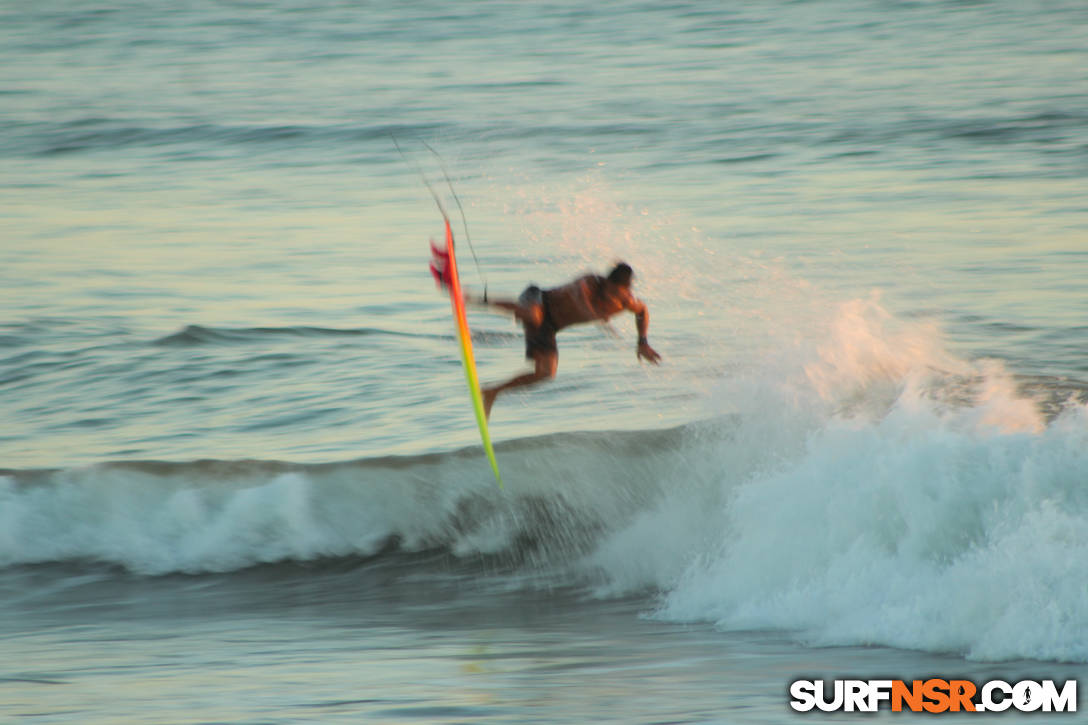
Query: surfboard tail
{"x": 441, "y": 269}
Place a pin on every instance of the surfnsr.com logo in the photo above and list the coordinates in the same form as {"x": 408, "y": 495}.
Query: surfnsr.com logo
{"x": 933, "y": 695}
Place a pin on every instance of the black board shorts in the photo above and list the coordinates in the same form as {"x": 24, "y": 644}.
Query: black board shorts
{"x": 538, "y": 338}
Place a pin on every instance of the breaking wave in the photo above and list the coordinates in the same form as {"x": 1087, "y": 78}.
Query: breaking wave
{"x": 866, "y": 489}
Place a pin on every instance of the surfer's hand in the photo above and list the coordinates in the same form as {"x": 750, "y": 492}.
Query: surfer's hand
{"x": 647, "y": 352}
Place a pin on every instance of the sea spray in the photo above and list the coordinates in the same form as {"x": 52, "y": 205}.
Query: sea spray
{"x": 880, "y": 493}
{"x": 860, "y": 486}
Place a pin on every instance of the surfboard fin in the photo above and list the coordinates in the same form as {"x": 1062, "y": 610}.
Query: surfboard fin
{"x": 440, "y": 267}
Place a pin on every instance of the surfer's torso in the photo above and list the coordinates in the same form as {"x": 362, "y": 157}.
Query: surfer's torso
{"x": 587, "y": 299}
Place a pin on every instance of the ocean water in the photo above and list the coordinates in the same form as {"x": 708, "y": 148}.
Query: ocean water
{"x": 240, "y": 480}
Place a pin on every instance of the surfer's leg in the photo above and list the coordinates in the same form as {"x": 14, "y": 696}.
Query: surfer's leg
{"x": 546, "y": 362}
{"x": 531, "y": 313}
{"x": 528, "y": 309}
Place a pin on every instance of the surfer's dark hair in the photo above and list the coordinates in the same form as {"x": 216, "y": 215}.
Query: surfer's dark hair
{"x": 621, "y": 274}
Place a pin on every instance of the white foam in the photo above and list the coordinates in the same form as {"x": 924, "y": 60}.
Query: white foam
{"x": 876, "y": 490}
{"x": 196, "y": 518}
{"x": 858, "y": 484}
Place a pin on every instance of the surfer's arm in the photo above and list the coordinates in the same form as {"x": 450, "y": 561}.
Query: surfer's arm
{"x": 642, "y": 321}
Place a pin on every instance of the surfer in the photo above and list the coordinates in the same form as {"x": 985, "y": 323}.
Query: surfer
{"x": 545, "y": 312}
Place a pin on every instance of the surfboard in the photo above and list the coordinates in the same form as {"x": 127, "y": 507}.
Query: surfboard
{"x": 444, "y": 269}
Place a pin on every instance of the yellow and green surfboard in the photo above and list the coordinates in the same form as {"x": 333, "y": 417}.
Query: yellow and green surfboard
{"x": 444, "y": 269}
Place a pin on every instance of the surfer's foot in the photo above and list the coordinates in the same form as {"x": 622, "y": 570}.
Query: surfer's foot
{"x": 489, "y": 395}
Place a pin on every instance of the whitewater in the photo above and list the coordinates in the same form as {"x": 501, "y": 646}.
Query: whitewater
{"x": 872, "y": 489}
